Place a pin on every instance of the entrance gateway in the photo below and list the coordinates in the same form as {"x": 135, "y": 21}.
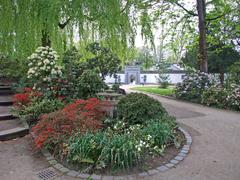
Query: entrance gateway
{"x": 132, "y": 75}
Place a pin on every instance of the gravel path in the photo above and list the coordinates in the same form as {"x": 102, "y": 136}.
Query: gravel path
{"x": 214, "y": 154}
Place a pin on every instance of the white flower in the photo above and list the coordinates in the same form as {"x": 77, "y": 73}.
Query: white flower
{"x": 46, "y": 61}
{"x": 53, "y": 71}
{"x": 40, "y": 63}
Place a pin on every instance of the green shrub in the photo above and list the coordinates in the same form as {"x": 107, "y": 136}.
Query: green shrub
{"x": 162, "y": 131}
{"x": 102, "y": 149}
{"x": 116, "y": 87}
{"x": 32, "y": 112}
{"x": 137, "y": 108}
{"x": 90, "y": 83}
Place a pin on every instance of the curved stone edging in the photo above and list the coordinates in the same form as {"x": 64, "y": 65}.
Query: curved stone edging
{"x": 172, "y": 163}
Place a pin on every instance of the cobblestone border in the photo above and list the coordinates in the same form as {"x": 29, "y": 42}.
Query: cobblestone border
{"x": 172, "y": 163}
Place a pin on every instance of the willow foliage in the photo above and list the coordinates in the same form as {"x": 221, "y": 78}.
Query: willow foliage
{"x": 27, "y": 24}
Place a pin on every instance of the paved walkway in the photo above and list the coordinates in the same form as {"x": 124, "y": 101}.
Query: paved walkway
{"x": 215, "y": 153}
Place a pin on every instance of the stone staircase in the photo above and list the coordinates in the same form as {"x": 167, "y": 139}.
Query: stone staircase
{"x": 10, "y": 126}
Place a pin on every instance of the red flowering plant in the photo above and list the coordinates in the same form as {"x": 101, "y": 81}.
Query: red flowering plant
{"x": 81, "y": 116}
{"x": 23, "y": 99}
{"x": 31, "y": 104}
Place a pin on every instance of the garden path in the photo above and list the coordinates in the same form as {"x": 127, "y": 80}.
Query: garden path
{"x": 215, "y": 150}
{"x": 214, "y": 153}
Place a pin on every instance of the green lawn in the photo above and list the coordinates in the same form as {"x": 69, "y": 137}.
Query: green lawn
{"x": 155, "y": 90}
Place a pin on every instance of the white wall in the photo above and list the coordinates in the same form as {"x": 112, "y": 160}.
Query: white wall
{"x": 151, "y": 78}
{"x": 109, "y": 79}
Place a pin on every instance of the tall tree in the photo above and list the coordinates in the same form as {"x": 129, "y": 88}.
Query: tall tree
{"x": 204, "y": 18}
{"x": 202, "y": 56}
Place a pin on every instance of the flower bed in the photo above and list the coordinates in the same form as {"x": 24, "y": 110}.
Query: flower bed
{"x": 83, "y": 137}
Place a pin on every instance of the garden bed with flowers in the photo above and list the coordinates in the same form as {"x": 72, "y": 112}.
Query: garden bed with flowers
{"x": 67, "y": 118}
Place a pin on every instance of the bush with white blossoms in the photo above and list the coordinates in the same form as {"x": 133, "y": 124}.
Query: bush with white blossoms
{"x": 193, "y": 85}
{"x": 43, "y": 67}
{"x": 215, "y": 96}
{"x": 233, "y": 98}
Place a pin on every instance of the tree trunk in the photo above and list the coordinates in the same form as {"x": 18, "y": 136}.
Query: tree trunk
{"x": 221, "y": 76}
{"x": 202, "y": 56}
{"x": 45, "y": 39}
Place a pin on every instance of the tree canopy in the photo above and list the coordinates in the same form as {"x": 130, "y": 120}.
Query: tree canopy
{"x": 27, "y": 24}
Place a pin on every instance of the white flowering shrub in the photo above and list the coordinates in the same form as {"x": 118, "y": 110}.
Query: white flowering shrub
{"x": 227, "y": 97}
{"x": 43, "y": 67}
{"x": 233, "y": 97}
{"x": 193, "y": 85}
{"x": 215, "y": 96}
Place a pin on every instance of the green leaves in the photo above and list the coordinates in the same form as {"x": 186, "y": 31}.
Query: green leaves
{"x": 137, "y": 108}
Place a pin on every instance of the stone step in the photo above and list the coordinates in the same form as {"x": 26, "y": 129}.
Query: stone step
{"x": 6, "y": 100}
{"x": 13, "y": 133}
{"x": 5, "y": 113}
{"x": 6, "y": 117}
{"x": 5, "y": 90}
{"x": 10, "y": 123}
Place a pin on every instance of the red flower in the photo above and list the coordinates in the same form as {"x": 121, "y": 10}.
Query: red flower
{"x": 21, "y": 99}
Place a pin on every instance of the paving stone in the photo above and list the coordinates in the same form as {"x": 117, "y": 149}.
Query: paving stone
{"x": 72, "y": 173}
{"x": 96, "y": 177}
{"x": 120, "y": 178}
{"x": 179, "y": 158}
{"x": 189, "y": 142}
{"x": 162, "y": 168}
{"x": 64, "y": 170}
{"x": 107, "y": 178}
{"x": 169, "y": 165}
{"x": 58, "y": 166}
{"x": 50, "y": 158}
{"x": 153, "y": 171}
{"x": 53, "y": 162}
{"x": 46, "y": 154}
{"x": 83, "y": 176}
{"x": 131, "y": 177}
{"x": 184, "y": 151}
{"x": 174, "y": 161}
{"x": 186, "y": 147}
{"x": 143, "y": 174}
{"x": 182, "y": 154}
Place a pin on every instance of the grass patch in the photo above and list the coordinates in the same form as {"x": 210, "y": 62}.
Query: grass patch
{"x": 155, "y": 90}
